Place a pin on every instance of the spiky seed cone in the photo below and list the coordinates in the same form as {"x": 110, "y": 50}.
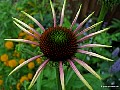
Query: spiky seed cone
{"x": 58, "y": 43}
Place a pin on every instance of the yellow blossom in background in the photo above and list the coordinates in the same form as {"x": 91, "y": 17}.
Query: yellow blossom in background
{"x": 21, "y": 61}
{"x": 21, "y": 34}
{"x": 31, "y": 65}
{"x": 39, "y": 60}
{"x": 12, "y": 63}
{"x": 18, "y": 86}
{"x": 4, "y": 57}
{"x": 9, "y": 44}
{"x": 30, "y": 75}
{"x": 23, "y": 78}
{"x": 1, "y": 82}
{"x": 28, "y": 37}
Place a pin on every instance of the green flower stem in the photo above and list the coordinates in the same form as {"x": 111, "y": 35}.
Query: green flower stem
{"x": 39, "y": 81}
{"x": 58, "y": 79}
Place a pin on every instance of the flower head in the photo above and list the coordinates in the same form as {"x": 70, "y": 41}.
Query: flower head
{"x": 59, "y": 44}
{"x": 9, "y": 45}
{"x": 21, "y": 61}
{"x": 31, "y": 65}
{"x": 12, "y": 63}
{"x": 4, "y": 57}
{"x": 30, "y": 75}
{"x": 23, "y": 78}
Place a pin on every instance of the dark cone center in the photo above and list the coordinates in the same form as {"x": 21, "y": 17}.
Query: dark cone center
{"x": 58, "y": 43}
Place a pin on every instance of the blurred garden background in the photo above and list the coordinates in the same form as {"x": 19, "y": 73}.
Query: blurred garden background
{"x": 13, "y": 54}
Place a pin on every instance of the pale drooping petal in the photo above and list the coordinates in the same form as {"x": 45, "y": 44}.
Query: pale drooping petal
{"x": 85, "y": 30}
{"x": 38, "y": 73}
{"x": 91, "y": 35}
{"x": 62, "y": 13}
{"x": 93, "y": 45}
{"x": 34, "y": 20}
{"x": 23, "y": 40}
{"x": 80, "y": 25}
{"x": 75, "y": 19}
{"x": 79, "y": 75}
{"x": 53, "y": 12}
{"x": 87, "y": 67}
{"x": 26, "y": 31}
{"x": 27, "y": 26}
{"x": 24, "y": 63}
{"x": 61, "y": 75}
{"x": 94, "y": 54}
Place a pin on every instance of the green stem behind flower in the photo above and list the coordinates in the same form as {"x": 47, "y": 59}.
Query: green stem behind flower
{"x": 58, "y": 79}
{"x": 39, "y": 81}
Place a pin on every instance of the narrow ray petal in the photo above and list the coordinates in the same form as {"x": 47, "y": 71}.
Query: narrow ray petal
{"x": 62, "y": 14}
{"x": 75, "y": 19}
{"x": 34, "y": 20}
{"x": 91, "y": 35}
{"x": 38, "y": 73}
{"x": 27, "y": 26}
{"x": 53, "y": 12}
{"x": 93, "y": 45}
{"x": 23, "y": 40}
{"x": 80, "y": 25}
{"x": 94, "y": 54}
{"x": 61, "y": 75}
{"x": 26, "y": 31}
{"x": 85, "y": 30}
{"x": 24, "y": 63}
{"x": 87, "y": 67}
{"x": 79, "y": 75}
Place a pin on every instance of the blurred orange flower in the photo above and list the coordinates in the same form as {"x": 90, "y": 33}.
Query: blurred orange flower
{"x": 23, "y": 78}
{"x": 28, "y": 37}
{"x": 21, "y": 61}
{"x": 4, "y": 57}
{"x": 18, "y": 86}
{"x": 31, "y": 65}
{"x": 39, "y": 60}
{"x": 1, "y": 82}
{"x": 12, "y": 63}
{"x": 30, "y": 75}
{"x": 21, "y": 34}
{"x": 9, "y": 45}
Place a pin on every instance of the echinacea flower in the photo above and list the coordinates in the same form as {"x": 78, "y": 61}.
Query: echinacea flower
{"x": 59, "y": 44}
